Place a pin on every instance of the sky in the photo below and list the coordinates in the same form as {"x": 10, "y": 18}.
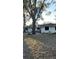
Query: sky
{"x": 47, "y": 18}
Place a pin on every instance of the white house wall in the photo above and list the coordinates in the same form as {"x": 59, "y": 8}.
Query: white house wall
{"x": 51, "y": 30}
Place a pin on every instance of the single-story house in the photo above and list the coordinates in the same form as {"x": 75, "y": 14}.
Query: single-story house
{"x": 44, "y": 28}
{"x": 48, "y": 28}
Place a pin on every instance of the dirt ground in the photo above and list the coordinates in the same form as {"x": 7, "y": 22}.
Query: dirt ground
{"x": 39, "y": 46}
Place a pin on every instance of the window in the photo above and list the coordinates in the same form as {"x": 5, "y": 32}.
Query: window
{"x": 46, "y": 28}
{"x": 55, "y": 27}
{"x": 38, "y": 28}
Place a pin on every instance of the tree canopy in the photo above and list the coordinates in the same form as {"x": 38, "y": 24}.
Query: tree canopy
{"x": 35, "y": 8}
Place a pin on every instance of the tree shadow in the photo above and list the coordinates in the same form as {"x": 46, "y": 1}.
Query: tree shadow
{"x": 26, "y": 52}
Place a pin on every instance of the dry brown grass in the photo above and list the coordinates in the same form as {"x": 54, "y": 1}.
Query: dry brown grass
{"x": 38, "y": 49}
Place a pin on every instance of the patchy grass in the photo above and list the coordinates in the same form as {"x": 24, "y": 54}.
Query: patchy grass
{"x": 47, "y": 39}
{"x": 40, "y": 45}
{"x": 38, "y": 49}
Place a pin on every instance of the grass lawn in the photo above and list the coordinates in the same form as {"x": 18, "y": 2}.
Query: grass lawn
{"x": 42, "y": 46}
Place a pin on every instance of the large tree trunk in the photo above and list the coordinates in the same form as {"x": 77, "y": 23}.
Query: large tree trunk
{"x": 34, "y": 19}
{"x": 34, "y": 26}
{"x": 24, "y": 23}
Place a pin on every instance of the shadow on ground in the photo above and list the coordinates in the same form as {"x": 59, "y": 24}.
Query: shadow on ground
{"x": 26, "y": 52}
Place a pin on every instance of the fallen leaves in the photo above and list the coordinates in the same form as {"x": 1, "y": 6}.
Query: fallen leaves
{"x": 39, "y": 49}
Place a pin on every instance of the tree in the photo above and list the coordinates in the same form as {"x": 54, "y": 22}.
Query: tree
{"x": 35, "y": 9}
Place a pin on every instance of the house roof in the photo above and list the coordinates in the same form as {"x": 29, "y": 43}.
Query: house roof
{"x": 43, "y": 25}
{"x": 49, "y": 24}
